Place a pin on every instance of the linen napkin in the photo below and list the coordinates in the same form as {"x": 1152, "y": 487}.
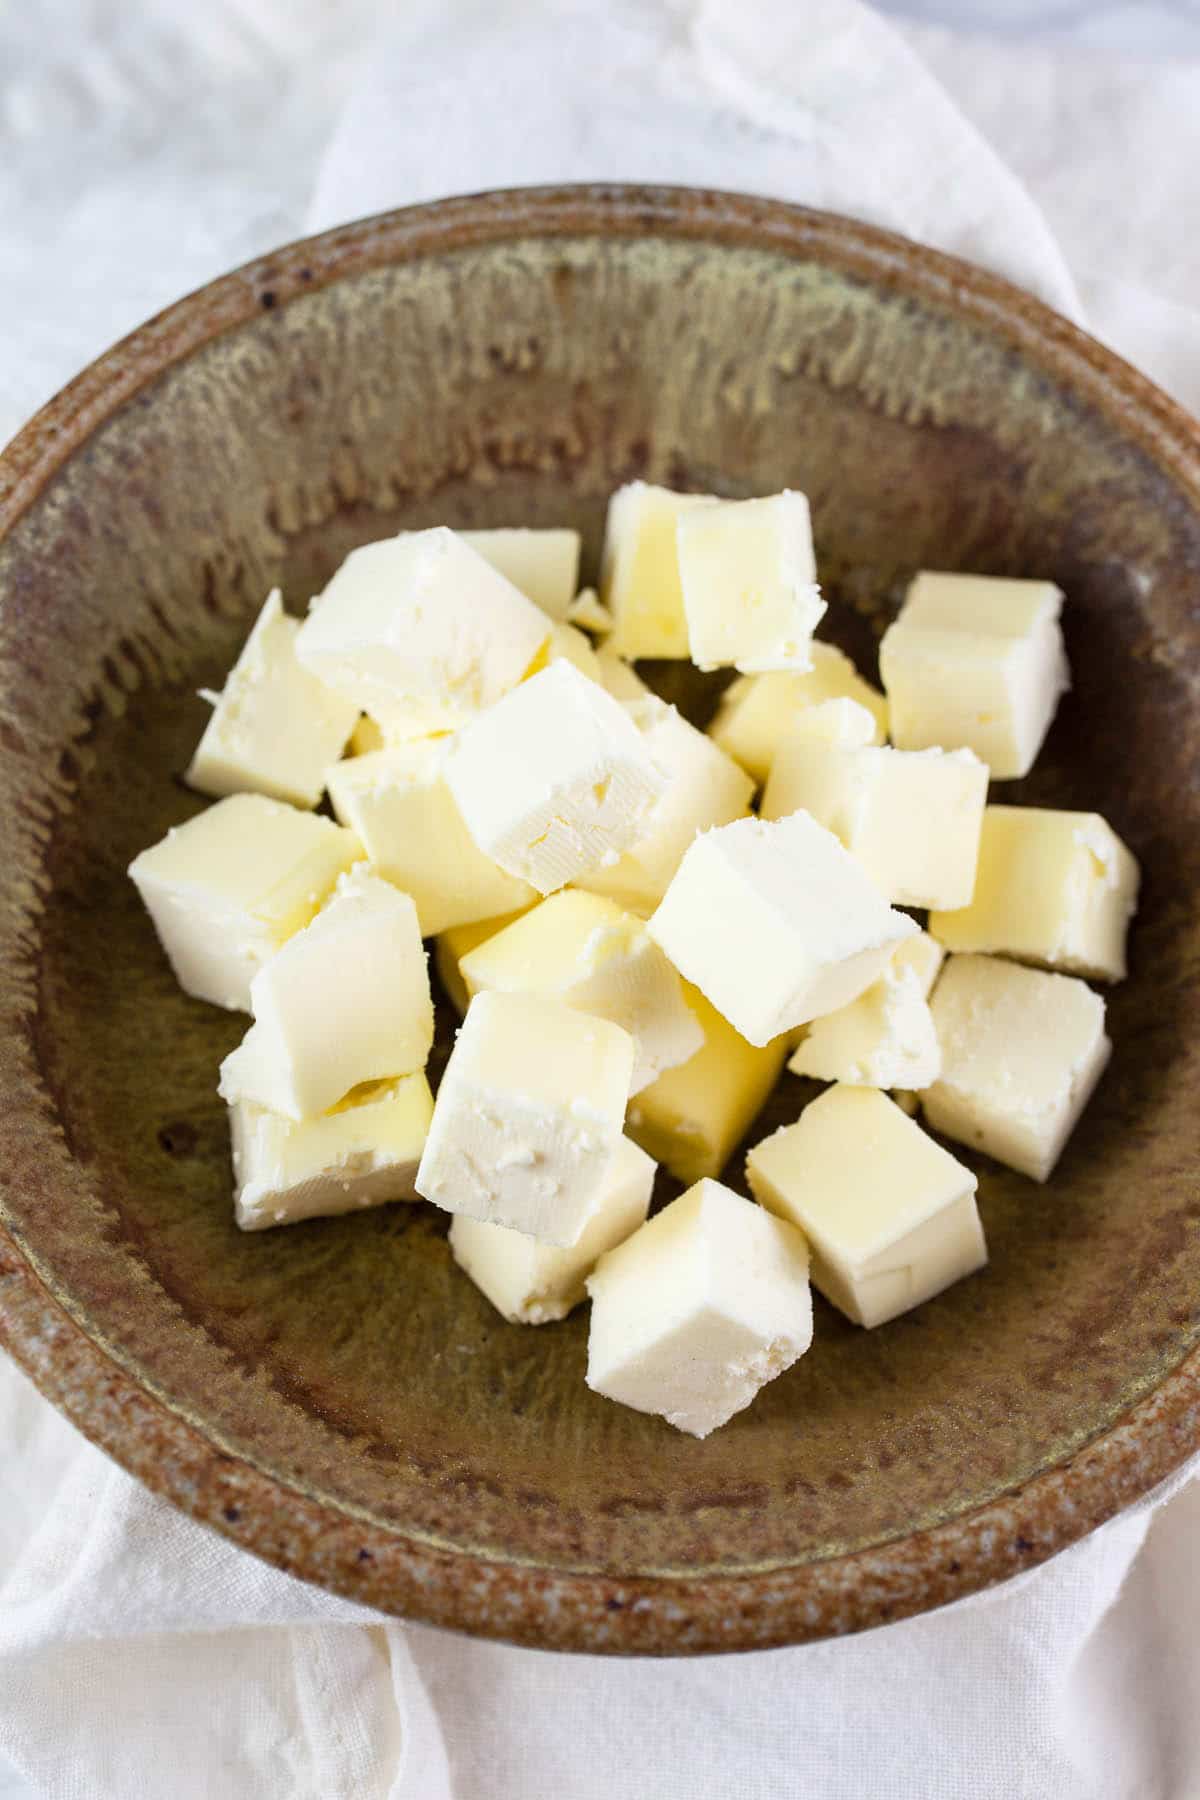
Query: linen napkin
{"x": 142, "y": 1656}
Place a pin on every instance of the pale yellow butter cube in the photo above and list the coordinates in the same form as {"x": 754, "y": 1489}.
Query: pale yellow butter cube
{"x": 1022, "y": 1051}
{"x": 923, "y": 956}
{"x": 620, "y": 677}
{"x": 705, "y": 788}
{"x": 976, "y": 661}
{"x": 533, "y": 1283}
{"x": 274, "y": 727}
{"x": 554, "y": 780}
{"x": 699, "y": 1309}
{"x": 542, "y": 562}
{"x": 749, "y": 580}
{"x": 756, "y": 712}
{"x": 884, "y": 1039}
{"x": 569, "y": 644}
{"x": 890, "y": 1217}
{"x": 228, "y": 888}
{"x": 586, "y": 950}
{"x": 1057, "y": 888}
{"x": 911, "y": 818}
{"x": 692, "y": 1118}
{"x": 528, "y": 1116}
{"x": 398, "y": 804}
{"x": 588, "y": 610}
{"x": 775, "y": 923}
{"x": 452, "y": 946}
{"x": 639, "y": 570}
{"x": 421, "y": 632}
{"x": 841, "y": 724}
{"x": 363, "y": 1153}
{"x": 367, "y": 737}
{"x": 345, "y": 1001}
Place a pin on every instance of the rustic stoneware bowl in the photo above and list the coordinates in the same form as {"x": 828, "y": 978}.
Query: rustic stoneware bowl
{"x": 336, "y": 1397}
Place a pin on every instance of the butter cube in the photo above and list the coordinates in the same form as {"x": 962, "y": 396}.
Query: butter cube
{"x": 775, "y": 924}
{"x": 366, "y": 737}
{"x": 398, "y": 804}
{"x": 1022, "y": 1051}
{"x": 838, "y": 724}
{"x": 923, "y": 956}
{"x": 542, "y": 563}
{"x": 699, "y": 1309}
{"x": 911, "y": 818}
{"x": 586, "y": 951}
{"x": 639, "y": 570}
{"x": 421, "y": 632}
{"x": 757, "y": 711}
{"x": 705, "y": 788}
{"x": 692, "y": 1118}
{"x": 532, "y": 1283}
{"x": 452, "y": 946}
{"x": 528, "y": 1116}
{"x": 363, "y": 1153}
{"x": 620, "y": 677}
{"x": 1057, "y": 888}
{"x": 587, "y": 609}
{"x": 345, "y": 1001}
{"x": 555, "y": 779}
{"x": 977, "y": 661}
{"x": 884, "y": 1039}
{"x": 890, "y": 1216}
{"x": 274, "y": 727}
{"x": 569, "y": 644}
{"x": 749, "y": 580}
{"x": 228, "y": 888}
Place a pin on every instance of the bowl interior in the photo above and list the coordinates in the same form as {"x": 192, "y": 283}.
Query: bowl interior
{"x": 518, "y": 379}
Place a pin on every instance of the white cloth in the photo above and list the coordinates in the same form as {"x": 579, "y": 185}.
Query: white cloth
{"x": 142, "y": 149}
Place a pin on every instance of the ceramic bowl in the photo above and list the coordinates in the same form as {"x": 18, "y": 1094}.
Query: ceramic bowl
{"x": 337, "y": 1397}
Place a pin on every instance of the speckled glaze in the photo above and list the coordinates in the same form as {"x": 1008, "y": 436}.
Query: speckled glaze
{"x": 336, "y": 1397}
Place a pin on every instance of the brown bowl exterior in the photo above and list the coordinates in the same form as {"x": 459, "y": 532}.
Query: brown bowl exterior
{"x": 335, "y": 1397}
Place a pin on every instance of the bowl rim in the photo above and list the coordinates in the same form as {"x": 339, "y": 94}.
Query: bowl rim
{"x": 292, "y": 1527}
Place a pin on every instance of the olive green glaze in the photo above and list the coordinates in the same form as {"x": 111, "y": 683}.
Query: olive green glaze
{"x": 335, "y": 1396}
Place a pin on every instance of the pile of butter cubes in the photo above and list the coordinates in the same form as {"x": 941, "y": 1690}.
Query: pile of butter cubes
{"x": 635, "y": 950}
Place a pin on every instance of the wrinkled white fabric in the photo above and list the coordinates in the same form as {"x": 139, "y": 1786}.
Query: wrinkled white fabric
{"x": 144, "y": 149}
